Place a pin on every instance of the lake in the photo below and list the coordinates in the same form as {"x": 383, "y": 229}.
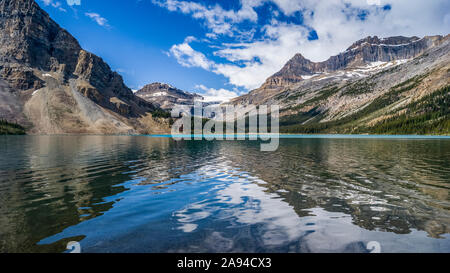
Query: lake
{"x": 153, "y": 194}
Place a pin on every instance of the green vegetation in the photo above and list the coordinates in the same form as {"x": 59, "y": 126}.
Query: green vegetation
{"x": 321, "y": 95}
{"x": 310, "y": 128}
{"x": 297, "y": 120}
{"x": 410, "y": 83}
{"x": 159, "y": 113}
{"x": 284, "y": 95}
{"x": 429, "y": 115}
{"x": 7, "y": 128}
{"x": 359, "y": 87}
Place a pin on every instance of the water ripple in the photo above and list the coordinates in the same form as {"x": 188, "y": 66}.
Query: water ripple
{"x": 141, "y": 194}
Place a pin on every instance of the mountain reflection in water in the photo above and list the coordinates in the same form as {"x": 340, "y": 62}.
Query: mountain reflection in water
{"x": 144, "y": 194}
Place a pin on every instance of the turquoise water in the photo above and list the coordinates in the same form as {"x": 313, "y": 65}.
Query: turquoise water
{"x": 334, "y": 136}
{"x": 153, "y": 194}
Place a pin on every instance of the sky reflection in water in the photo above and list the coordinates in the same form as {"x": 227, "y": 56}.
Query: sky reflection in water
{"x": 142, "y": 194}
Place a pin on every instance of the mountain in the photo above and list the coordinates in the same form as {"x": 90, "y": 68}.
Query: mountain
{"x": 166, "y": 96}
{"x": 389, "y": 85}
{"x": 50, "y": 85}
{"x": 362, "y": 55}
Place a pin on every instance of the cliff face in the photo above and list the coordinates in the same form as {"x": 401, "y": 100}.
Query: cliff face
{"x": 362, "y": 52}
{"x": 166, "y": 96}
{"x": 36, "y": 53}
{"x": 107, "y": 88}
{"x": 30, "y": 38}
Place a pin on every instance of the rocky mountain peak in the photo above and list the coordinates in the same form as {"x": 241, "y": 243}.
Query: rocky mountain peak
{"x": 299, "y": 63}
{"x": 158, "y": 86}
{"x": 294, "y": 71}
{"x": 363, "y": 52}
{"x": 30, "y": 37}
{"x": 377, "y": 86}
{"x": 389, "y": 41}
{"x": 45, "y": 69}
{"x": 166, "y": 96}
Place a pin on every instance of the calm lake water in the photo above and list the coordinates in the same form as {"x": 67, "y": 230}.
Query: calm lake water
{"x": 152, "y": 194}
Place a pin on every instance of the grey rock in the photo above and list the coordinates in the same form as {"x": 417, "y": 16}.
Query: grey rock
{"x": 36, "y": 53}
{"x": 167, "y": 96}
{"x": 370, "y": 49}
{"x": 387, "y": 74}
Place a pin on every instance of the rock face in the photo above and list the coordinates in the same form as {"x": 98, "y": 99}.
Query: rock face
{"x": 377, "y": 85}
{"x": 362, "y": 52}
{"x": 37, "y": 54}
{"x": 29, "y": 37}
{"x": 166, "y": 96}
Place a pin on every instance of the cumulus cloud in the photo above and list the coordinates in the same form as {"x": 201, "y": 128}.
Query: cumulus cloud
{"x": 55, "y": 4}
{"x": 337, "y": 23}
{"x": 188, "y": 57}
{"x": 261, "y": 58}
{"x": 216, "y": 95}
{"x": 97, "y": 18}
{"x": 374, "y": 2}
{"x": 219, "y": 20}
{"x": 74, "y": 2}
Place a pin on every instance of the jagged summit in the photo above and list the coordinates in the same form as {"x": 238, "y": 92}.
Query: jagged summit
{"x": 298, "y": 62}
{"x": 389, "y": 41}
{"x": 30, "y": 37}
{"x": 365, "y": 51}
{"x": 166, "y": 96}
{"x": 58, "y": 86}
{"x": 379, "y": 85}
{"x": 159, "y": 85}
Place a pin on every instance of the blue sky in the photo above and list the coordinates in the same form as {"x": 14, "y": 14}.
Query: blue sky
{"x": 226, "y": 48}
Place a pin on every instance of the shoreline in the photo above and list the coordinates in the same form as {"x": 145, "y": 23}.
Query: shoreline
{"x": 367, "y": 136}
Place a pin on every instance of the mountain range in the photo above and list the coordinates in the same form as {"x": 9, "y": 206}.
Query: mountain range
{"x": 50, "y": 85}
{"x": 167, "y": 96}
{"x": 395, "y": 85}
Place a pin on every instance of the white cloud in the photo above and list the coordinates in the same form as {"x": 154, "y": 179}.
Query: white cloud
{"x": 337, "y": 31}
{"x": 374, "y": 2}
{"x": 254, "y": 72}
{"x": 74, "y": 2}
{"x": 336, "y": 22}
{"x": 188, "y": 57}
{"x": 261, "y": 58}
{"x": 217, "y": 19}
{"x": 219, "y": 95}
{"x": 97, "y": 18}
{"x": 288, "y": 6}
{"x": 55, "y": 4}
